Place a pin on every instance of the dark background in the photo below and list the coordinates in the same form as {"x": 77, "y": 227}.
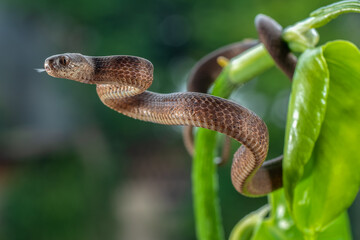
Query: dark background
{"x": 71, "y": 168}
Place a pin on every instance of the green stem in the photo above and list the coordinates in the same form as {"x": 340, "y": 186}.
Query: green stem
{"x": 242, "y": 69}
{"x": 250, "y": 64}
{"x": 205, "y": 183}
{"x": 303, "y": 35}
{"x": 325, "y": 14}
{"x": 205, "y": 188}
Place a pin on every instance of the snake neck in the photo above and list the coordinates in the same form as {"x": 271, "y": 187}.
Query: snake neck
{"x": 129, "y": 71}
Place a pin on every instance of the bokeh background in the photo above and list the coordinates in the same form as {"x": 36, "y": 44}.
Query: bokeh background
{"x": 71, "y": 168}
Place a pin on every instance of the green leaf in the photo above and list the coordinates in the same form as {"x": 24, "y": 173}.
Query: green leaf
{"x": 321, "y": 159}
{"x": 338, "y": 229}
{"x": 306, "y": 113}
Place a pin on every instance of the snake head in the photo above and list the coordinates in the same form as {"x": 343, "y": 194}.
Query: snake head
{"x": 73, "y": 66}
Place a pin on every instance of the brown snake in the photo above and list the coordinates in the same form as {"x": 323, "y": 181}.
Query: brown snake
{"x": 121, "y": 83}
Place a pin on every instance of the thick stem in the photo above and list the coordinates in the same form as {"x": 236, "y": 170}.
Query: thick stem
{"x": 205, "y": 188}
{"x": 249, "y": 64}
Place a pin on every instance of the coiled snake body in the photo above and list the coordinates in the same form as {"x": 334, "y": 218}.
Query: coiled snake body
{"x": 121, "y": 83}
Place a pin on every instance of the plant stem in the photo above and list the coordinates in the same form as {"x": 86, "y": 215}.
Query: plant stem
{"x": 303, "y": 35}
{"x": 205, "y": 188}
{"x": 249, "y": 64}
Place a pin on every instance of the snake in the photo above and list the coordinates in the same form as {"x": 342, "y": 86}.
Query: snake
{"x": 121, "y": 84}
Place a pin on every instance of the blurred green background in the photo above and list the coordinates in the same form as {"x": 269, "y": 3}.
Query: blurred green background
{"x": 71, "y": 168}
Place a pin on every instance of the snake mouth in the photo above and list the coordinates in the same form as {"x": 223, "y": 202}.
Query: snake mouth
{"x": 49, "y": 66}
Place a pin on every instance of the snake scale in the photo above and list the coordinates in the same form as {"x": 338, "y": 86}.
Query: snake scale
{"x": 121, "y": 83}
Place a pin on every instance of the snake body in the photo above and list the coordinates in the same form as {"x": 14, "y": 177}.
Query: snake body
{"x": 202, "y": 76}
{"x": 121, "y": 83}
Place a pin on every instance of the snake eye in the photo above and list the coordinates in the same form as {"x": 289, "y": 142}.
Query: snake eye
{"x": 63, "y": 60}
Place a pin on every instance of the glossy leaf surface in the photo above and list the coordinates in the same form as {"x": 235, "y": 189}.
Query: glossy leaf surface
{"x": 322, "y": 161}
